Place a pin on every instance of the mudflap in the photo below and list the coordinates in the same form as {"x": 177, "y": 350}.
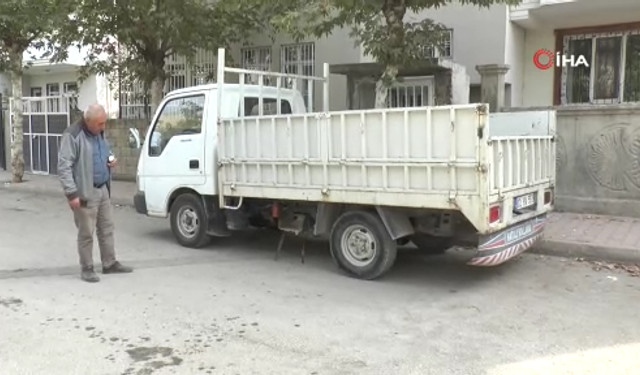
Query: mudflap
{"x": 497, "y": 248}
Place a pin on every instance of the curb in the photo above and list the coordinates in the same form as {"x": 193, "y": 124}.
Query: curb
{"x": 38, "y": 189}
{"x": 587, "y": 251}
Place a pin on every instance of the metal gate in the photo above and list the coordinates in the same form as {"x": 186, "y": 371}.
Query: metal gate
{"x": 43, "y": 122}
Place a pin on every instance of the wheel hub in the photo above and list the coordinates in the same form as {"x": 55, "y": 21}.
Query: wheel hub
{"x": 188, "y": 222}
{"x": 359, "y": 245}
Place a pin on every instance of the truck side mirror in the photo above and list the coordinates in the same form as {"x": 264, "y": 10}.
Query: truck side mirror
{"x": 134, "y": 139}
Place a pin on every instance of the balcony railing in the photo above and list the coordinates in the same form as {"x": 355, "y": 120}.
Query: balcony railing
{"x": 532, "y": 4}
{"x": 48, "y": 105}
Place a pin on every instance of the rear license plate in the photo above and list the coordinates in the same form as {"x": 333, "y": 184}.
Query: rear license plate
{"x": 524, "y": 201}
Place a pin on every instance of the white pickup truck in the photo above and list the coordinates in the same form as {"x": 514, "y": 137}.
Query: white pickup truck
{"x": 232, "y": 156}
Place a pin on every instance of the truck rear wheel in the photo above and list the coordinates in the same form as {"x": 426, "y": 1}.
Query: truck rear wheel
{"x": 188, "y": 221}
{"x": 361, "y": 245}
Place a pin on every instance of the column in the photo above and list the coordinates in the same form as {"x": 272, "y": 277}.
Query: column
{"x": 492, "y": 85}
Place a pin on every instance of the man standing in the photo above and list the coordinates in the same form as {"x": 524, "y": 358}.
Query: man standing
{"x": 84, "y": 167}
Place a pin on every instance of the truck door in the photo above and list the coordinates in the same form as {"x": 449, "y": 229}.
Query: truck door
{"x": 174, "y": 152}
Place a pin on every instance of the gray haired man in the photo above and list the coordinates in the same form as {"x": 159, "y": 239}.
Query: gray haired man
{"x": 84, "y": 167}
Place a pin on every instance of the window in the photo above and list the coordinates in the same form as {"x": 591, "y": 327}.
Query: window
{"x": 203, "y": 73}
{"x": 71, "y": 88}
{"x": 258, "y": 58}
{"x": 177, "y": 78}
{"x": 411, "y": 92}
{"x": 181, "y": 72}
{"x": 408, "y": 96}
{"x": 35, "y": 106}
{"x": 299, "y": 59}
{"x": 269, "y": 107}
{"x": 53, "y": 100}
{"x": 71, "y": 92}
{"x": 53, "y": 89}
{"x": 446, "y": 46}
{"x": 181, "y": 116}
{"x": 613, "y": 74}
{"x": 133, "y": 100}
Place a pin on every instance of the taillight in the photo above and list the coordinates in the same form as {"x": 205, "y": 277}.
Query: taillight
{"x": 494, "y": 214}
{"x": 548, "y": 197}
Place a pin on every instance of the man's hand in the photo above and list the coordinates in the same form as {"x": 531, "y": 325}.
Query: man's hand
{"x": 113, "y": 163}
{"x": 74, "y": 203}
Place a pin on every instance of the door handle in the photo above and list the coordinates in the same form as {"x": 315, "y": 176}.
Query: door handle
{"x": 194, "y": 164}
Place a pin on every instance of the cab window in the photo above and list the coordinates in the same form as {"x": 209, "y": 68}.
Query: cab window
{"x": 180, "y": 116}
{"x": 269, "y": 107}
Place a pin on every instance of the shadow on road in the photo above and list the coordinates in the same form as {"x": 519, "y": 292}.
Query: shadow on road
{"x": 411, "y": 267}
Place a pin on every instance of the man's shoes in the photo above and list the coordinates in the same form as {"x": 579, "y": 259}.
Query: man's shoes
{"x": 89, "y": 275}
{"x": 116, "y": 268}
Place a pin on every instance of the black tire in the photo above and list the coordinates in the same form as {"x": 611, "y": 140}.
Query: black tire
{"x": 193, "y": 236}
{"x": 372, "y": 231}
{"x": 431, "y": 244}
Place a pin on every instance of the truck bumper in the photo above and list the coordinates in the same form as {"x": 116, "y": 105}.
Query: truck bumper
{"x": 499, "y": 247}
{"x": 140, "y": 203}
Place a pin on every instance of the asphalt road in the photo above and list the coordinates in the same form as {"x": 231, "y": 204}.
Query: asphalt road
{"x": 231, "y": 309}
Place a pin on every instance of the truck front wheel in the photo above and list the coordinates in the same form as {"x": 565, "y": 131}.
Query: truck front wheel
{"x": 360, "y": 245}
{"x": 188, "y": 221}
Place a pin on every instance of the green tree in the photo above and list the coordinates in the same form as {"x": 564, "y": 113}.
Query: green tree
{"x": 379, "y": 26}
{"x": 25, "y": 25}
{"x": 134, "y": 37}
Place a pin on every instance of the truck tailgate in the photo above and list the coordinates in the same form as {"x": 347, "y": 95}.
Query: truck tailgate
{"x": 522, "y": 160}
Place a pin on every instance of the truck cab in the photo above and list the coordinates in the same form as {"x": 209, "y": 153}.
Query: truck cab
{"x": 174, "y": 156}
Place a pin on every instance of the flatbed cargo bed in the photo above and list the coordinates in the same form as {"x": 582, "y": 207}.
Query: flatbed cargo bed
{"x": 429, "y": 157}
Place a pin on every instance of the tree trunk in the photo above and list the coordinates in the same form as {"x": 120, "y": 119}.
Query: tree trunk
{"x": 157, "y": 86}
{"x": 383, "y": 85}
{"x": 394, "y": 12}
{"x": 17, "y": 153}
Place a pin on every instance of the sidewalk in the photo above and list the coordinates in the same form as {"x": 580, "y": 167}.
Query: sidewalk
{"x": 121, "y": 191}
{"x": 593, "y": 237}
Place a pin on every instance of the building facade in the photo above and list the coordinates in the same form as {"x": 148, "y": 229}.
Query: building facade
{"x": 46, "y": 80}
{"x": 607, "y": 33}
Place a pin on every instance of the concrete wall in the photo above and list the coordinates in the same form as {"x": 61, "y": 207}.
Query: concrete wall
{"x": 459, "y": 84}
{"x": 4, "y": 113}
{"x": 598, "y": 159}
{"x": 515, "y": 57}
{"x": 537, "y": 87}
{"x": 472, "y": 27}
{"x": 118, "y": 135}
